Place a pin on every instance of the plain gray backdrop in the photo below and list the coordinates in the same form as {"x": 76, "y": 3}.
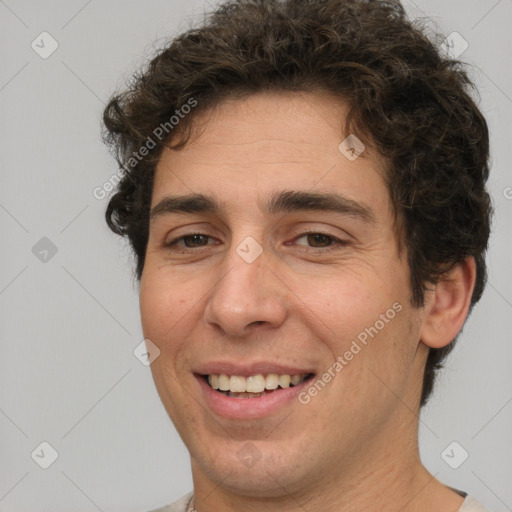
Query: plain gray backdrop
{"x": 68, "y": 299}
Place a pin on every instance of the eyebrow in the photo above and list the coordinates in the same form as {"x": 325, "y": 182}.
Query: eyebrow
{"x": 286, "y": 201}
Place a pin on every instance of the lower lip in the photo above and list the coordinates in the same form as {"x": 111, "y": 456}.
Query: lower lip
{"x": 249, "y": 408}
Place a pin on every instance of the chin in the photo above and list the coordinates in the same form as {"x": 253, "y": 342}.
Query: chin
{"x": 254, "y": 468}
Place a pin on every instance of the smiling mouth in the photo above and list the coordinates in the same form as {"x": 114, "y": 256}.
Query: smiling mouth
{"x": 254, "y": 386}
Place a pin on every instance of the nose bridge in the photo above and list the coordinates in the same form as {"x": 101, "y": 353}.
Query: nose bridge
{"x": 247, "y": 293}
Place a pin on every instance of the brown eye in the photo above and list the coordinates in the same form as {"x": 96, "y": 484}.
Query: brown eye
{"x": 192, "y": 241}
{"x": 319, "y": 240}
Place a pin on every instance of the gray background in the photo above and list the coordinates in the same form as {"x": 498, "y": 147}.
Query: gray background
{"x": 70, "y": 320}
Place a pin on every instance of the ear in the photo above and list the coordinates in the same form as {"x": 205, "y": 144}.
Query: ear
{"x": 447, "y": 306}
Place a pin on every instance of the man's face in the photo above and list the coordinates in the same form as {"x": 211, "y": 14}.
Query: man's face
{"x": 268, "y": 293}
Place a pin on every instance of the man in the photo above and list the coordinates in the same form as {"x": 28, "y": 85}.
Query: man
{"x": 304, "y": 190}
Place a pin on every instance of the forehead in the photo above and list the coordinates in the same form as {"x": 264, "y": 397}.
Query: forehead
{"x": 245, "y": 149}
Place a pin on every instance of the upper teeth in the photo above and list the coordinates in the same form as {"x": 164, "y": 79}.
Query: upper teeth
{"x": 255, "y": 383}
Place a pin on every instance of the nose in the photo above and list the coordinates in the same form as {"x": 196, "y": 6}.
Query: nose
{"x": 247, "y": 295}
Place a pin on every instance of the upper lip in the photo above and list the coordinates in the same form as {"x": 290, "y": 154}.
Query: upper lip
{"x": 248, "y": 369}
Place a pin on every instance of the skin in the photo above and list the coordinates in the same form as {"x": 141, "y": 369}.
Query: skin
{"x": 355, "y": 442}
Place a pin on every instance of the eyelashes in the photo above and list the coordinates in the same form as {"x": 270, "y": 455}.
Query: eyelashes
{"x": 335, "y": 242}
{"x": 174, "y": 243}
{"x": 193, "y": 242}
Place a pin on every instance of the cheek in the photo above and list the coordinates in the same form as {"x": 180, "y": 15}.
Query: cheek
{"x": 153, "y": 304}
{"x": 345, "y": 307}
{"x": 366, "y": 320}
{"x": 164, "y": 305}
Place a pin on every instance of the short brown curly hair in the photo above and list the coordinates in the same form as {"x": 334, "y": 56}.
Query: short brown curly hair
{"x": 406, "y": 99}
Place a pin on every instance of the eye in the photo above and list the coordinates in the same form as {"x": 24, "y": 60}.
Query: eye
{"x": 318, "y": 241}
{"x": 189, "y": 241}
{"x": 313, "y": 241}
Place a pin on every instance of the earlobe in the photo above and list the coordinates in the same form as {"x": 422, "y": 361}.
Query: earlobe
{"x": 446, "y": 307}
